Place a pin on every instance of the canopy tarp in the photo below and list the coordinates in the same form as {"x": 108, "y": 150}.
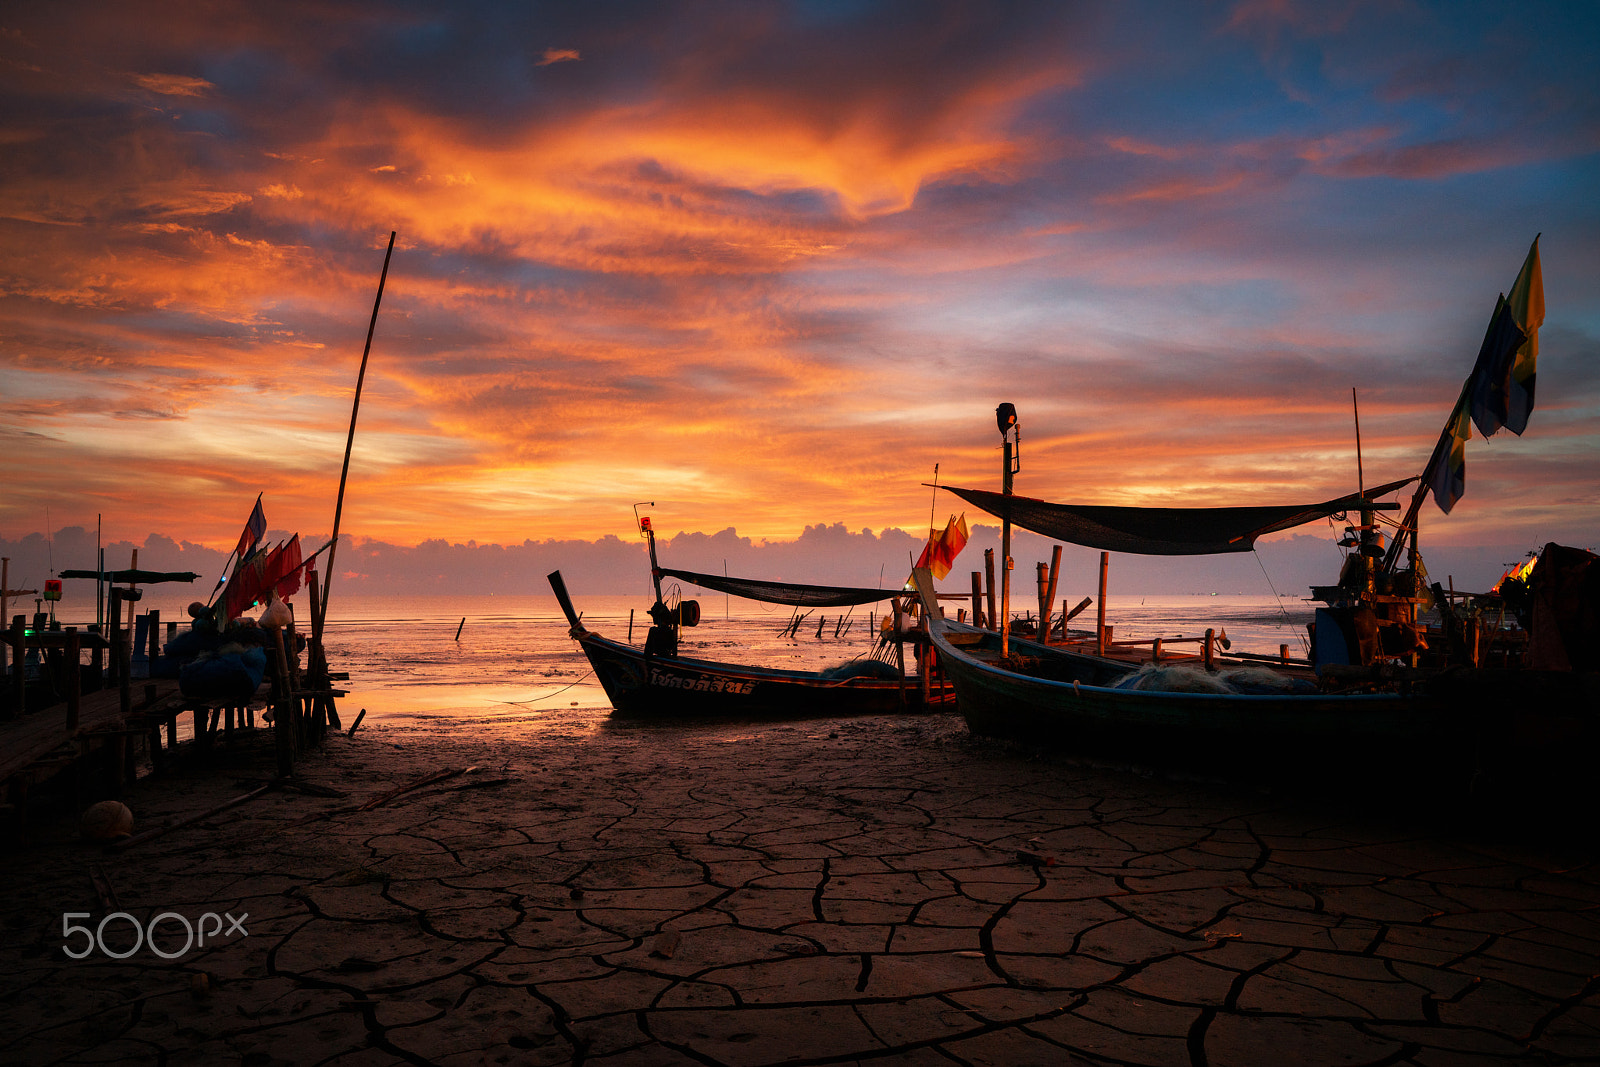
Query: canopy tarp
{"x": 1161, "y": 531}
{"x": 805, "y": 596}
{"x": 134, "y": 577}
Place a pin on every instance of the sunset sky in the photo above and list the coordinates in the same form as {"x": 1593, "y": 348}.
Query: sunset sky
{"x": 766, "y": 264}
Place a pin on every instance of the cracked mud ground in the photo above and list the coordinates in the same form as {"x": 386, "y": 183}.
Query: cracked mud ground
{"x": 883, "y": 891}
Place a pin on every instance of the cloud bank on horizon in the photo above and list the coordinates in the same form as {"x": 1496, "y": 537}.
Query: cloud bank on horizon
{"x": 765, "y": 264}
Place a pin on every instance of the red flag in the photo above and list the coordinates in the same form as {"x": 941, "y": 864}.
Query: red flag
{"x": 247, "y": 584}
{"x": 940, "y": 553}
{"x": 257, "y": 578}
{"x": 285, "y": 573}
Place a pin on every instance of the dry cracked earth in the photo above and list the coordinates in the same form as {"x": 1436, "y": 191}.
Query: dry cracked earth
{"x": 877, "y": 891}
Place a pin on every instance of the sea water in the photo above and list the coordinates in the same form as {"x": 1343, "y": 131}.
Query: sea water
{"x": 510, "y": 661}
{"x": 515, "y": 661}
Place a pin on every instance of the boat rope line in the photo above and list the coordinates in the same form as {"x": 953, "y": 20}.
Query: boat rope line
{"x": 547, "y": 696}
{"x": 1276, "y": 599}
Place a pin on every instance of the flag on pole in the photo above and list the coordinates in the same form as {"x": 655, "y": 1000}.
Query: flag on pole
{"x": 1499, "y": 391}
{"x": 1527, "y": 307}
{"x": 1503, "y": 378}
{"x": 254, "y": 530}
{"x": 940, "y": 553}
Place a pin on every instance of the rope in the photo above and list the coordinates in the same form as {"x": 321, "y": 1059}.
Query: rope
{"x": 1275, "y": 598}
{"x": 547, "y": 696}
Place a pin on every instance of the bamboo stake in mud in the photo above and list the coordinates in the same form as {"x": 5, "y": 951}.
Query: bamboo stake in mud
{"x": 1050, "y": 598}
{"x": 988, "y": 569}
{"x": 1100, "y": 628}
{"x": 350, "y": 439}
{"x": 1044, "y": 610}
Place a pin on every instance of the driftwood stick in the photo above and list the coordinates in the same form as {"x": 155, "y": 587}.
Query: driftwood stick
{"x": 103, "y": 888}
{"x": 430, "y": 779}
{"x": 136, "y": 839}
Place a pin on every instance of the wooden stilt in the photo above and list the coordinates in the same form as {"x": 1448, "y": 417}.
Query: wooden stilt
{"x": 74, "y": 682}
{"x": 283, "y": 714}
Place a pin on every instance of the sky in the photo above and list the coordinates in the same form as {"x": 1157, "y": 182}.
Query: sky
{"x": 765, "y": 265}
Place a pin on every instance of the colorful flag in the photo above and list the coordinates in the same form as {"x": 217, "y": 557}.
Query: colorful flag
{"x": 1503, "y": 378}
{"x": 1527, "y": 307}
{"x": 940, "y": 553}
{"x": 254, "y": 530}
{"x": 1446, "y": 474}
{"x": 1491, "y": 375}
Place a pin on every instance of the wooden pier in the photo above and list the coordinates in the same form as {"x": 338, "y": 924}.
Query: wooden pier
{"x": 53, "y": 727}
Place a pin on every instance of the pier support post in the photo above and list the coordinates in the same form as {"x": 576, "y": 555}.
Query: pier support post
{"x": 74, "y": 681}
{"x": 19, "y": 659}
{"x": 283, "y": 713}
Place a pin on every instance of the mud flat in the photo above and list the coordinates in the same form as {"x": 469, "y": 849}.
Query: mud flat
{"x": 883, "y": 891}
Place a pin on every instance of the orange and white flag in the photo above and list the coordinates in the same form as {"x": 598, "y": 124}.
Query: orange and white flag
{"x": 940, "y": 553}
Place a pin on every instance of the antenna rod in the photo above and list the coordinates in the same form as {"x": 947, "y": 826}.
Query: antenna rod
{"x": 1360, "y": 480}
{"x": 350, "y": 440}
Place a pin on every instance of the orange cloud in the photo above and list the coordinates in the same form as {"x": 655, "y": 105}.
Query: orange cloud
{"x": 173, "y": 84}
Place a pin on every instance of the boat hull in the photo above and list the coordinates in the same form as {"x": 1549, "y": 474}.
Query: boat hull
{"x": 1277, "y": 735}
{"x": 680, "y": 687}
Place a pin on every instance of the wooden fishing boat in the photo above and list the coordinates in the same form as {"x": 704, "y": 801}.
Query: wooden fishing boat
{"x": 650, "y": 682}
{"x": 1052, "y": 696}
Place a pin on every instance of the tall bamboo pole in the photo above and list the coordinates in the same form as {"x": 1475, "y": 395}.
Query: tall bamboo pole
{"x": 350, "y": 440}
{"x": 1005, "y": 557}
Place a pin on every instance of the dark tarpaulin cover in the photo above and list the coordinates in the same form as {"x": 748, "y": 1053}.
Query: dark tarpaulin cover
{"x": 135, "y": 577}
{"x": 1160, "y": 531}
{"x": 804, "y": 596}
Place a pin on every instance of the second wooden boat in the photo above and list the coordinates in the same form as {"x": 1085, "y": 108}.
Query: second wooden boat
{"x": 653, "y": 682}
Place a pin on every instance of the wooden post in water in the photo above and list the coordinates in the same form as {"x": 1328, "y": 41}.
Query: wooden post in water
{"x": 1208, "y": 658}
{"x": 1039, "y": 575}
{"x": 1100, "y": 628}
{"x": 988, "y": 568}
{"x": 977, "y": 599}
